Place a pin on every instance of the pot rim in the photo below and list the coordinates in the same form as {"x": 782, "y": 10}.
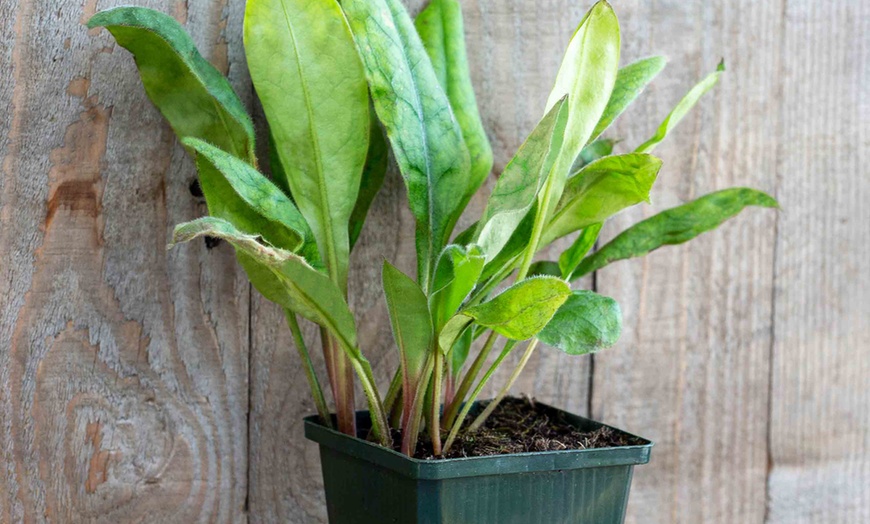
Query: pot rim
{"x": 529, "y": 462}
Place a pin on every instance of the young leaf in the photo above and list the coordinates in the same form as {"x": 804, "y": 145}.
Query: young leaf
{"x": 412, "y": 324}
{"x": 593, "y": 151}
{"x": 682, "y": 108}
{"x": 256, "y": 205}
{"x": 441, "y": 30}
{"x": 460, "y": 351}
{"x": 587, "y": 75}
{"x": 517, "y": 187}
{"x": 372, "y": 179}
{"x": 587, "y": 322}
{"x": 523, "y": 309}
{"x": 425, "y": 137}
{"x": 631, "y": 80}
{"x": 318, "y": 111}
{"x": 602, "y": 189}
{"x": 194, "y": 97}
{"x": 456, "y": 275}
{"x": 675, "y": 226}
{"x": 571, "y": 257}
{"x": 452, "y": 331}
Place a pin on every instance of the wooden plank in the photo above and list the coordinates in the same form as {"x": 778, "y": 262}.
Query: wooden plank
{"x": 123, "y": 368}
{"x": 691, "y": 370}
{"x": 820, "y": 411}
{"x": 515, "y": 48}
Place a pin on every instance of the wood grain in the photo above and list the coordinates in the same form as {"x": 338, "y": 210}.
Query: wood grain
{"x": 820, "y": 399}
{"x": 691, "y": 371}
{"x": 125, "y": 393}
{"x": 123, "y": 367}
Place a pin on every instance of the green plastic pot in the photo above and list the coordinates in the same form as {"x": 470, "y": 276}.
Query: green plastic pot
{"x": 369, "y": 484}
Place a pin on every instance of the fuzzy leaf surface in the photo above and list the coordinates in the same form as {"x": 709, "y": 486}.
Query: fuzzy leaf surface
{"x": 587, "y": 75}
{"x": 587, "y": 322}
{"x": 318, "y": 111}
{"x": 456, "y": 274}
{"x": 602, "y": 189}
{"x": 411, "y": 322}
{"x": 682, "y": 108}
{"x": 630, "y": 82}
{"x": 250, "y": 201}
{"x": 517, "y": 188}
{"x": 423, "y": 132}
{"x": 522, "y": 310}
{"x": 440, "y": 27}
{"x": 191, "y": 94}
{"x": 675, "y": 226}
{"x": 302, "y": 289}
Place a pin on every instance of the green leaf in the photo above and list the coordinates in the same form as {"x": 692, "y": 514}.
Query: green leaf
{"x": 372, "y": 179}
{"x": 194, "y": 97}
{"x": 571, "y": 257}
{"x": 517, "y": 188}
{"x": 523, "y": 309}
{"x": 237, "y": 192}
{"x": 593, "y": 151}
{"x": 460, "y": 351}
{"x": 602, "y": 189}
{"x": 425, "y": 137}
{"x": 545, "y": 267}
{"x": 631, "y": 80}
{"x": 411, "y": 321}
{"x": 682, "y": 108}
{"x": 302, "y": 289}
{"x": 587, "y": 322}
{"x": 441, "y": 30}
{"x": 452, "y": 331}
{"x": 318, "y": 111}
{"x": 675, "y": 226}
{"x": 456, "y": 275}
{"x": 587, "y": 75}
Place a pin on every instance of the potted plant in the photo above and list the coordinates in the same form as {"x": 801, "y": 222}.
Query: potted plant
{"x": 342, "y": 85}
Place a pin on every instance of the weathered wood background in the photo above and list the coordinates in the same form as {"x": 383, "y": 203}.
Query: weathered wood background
{"x": 140, "y": 385}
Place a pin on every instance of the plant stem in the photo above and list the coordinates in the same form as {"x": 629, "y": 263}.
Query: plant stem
{"x": 530, "y": 348}
{"x": 394, "y": 392}
{"x": 342, "y": 385}
{"x": 313, "y": 383}
{"x": 454, "y": 430}
{"x": 411, "y": 429}
{"x": 435, "y": 413}
{"x": 450, "y": 413}
{"x": 380, "y": 426}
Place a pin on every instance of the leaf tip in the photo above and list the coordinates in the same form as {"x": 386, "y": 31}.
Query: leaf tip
{"x": 721, "y": 66}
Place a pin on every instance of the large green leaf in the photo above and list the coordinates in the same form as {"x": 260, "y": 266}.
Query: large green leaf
{"x": 372, "y": 179}
{"x": 194, "y": 97}
{"x": 317, "y": 108}
{"x": 571, "y": 257}
{"x": 587, "y": 322}
{"x": 631, "y": 80}
{"x": 587, "y": 75}
{"x": 456, "y": 274}
{"x": 682, "y": 108}
{"x": 256, "y": 205}
{"x": 675, "y": 226}
{"x": 303, "y": 289}
{"x": 441, "y": 30}
{"x": 602, "y": 189}
{"x": 411, "y": 322}
{"x": 523, "y": 309}
{"x": 425, "y": 136}
{"x": 517, "y": 187}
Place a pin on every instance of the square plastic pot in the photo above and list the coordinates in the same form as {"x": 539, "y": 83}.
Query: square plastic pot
{"x": 369, "y": 484}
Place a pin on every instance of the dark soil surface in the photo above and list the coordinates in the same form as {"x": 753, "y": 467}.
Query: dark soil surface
{"x": 519, "y": 425}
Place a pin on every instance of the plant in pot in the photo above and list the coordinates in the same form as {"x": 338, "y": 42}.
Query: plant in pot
{"x": 344, "y": 84}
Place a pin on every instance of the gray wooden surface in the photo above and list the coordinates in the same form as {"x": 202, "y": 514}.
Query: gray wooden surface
{"x": 140, "y": 385}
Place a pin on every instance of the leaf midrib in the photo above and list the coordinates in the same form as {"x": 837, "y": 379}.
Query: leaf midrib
{"x": 318, "y": 161}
